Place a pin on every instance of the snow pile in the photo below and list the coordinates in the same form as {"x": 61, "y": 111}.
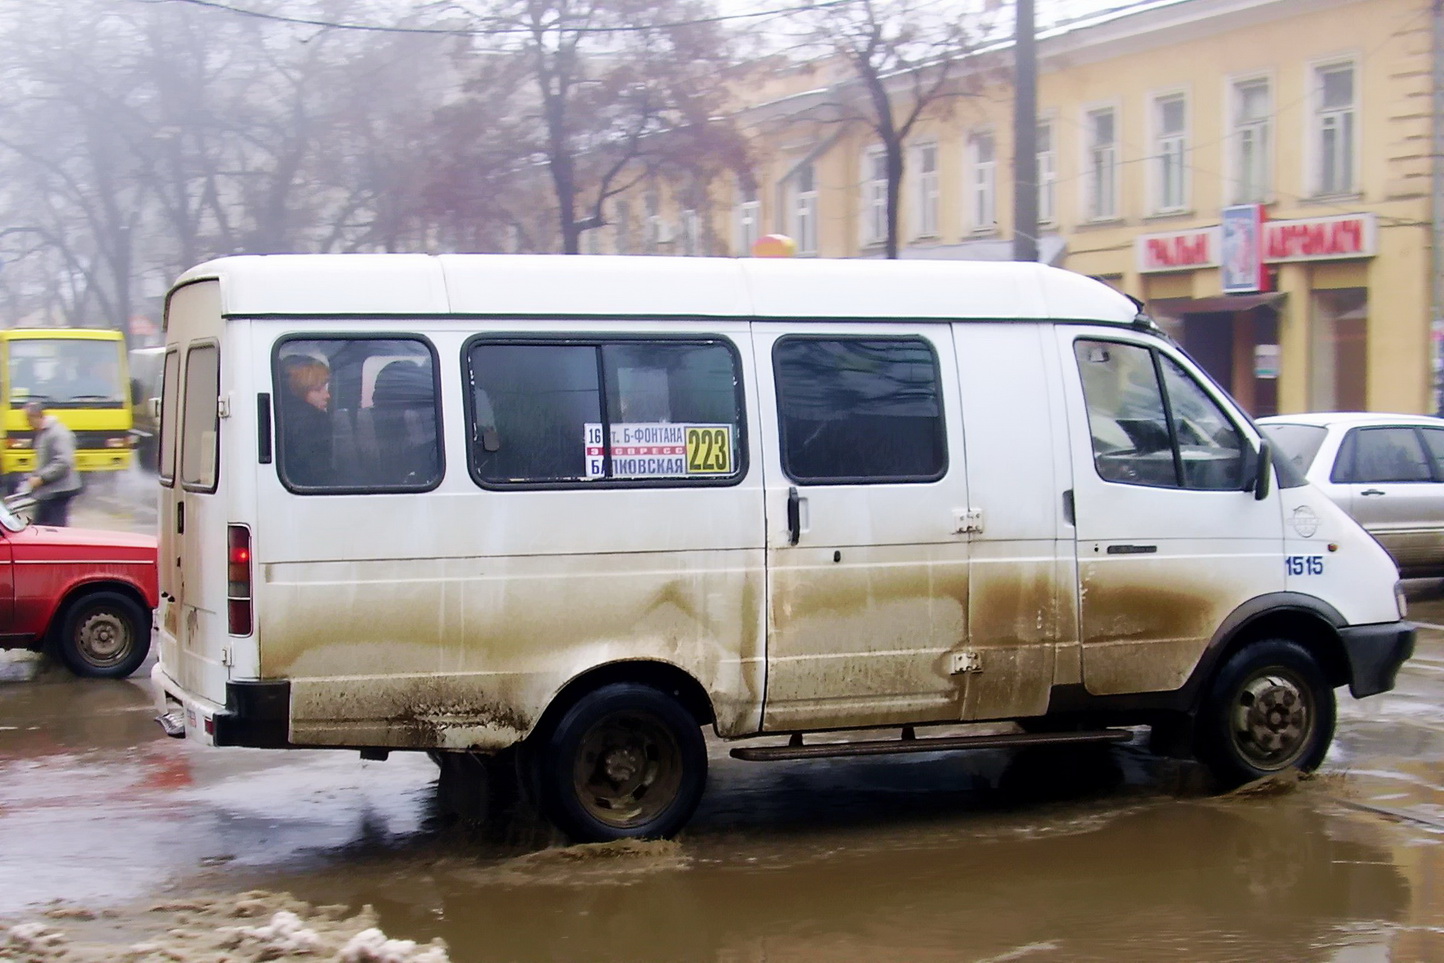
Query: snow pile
{"x": 206, "y": 929}
{"x": 372, "y": 946}
{"x": 35, "y": 940}
{"x": 285, "y": 935}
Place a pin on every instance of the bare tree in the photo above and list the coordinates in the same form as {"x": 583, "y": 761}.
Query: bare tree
{"x": 906, "y": 59}
{"x": 598, "y": 94}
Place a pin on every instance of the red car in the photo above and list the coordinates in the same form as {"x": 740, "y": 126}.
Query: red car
{"x": 85, "y": 596}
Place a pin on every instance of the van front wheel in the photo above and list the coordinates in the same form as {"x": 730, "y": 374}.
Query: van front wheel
{"x": 104, "y": 635}
{"x": 1270, "y": 709}
{"x": 624, "y": 761}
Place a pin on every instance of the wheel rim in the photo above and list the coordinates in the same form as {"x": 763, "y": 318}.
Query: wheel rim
{"x": 628, "y": 769}
{"x": 103, "y": 639}
{"x": 1273, "y": 719}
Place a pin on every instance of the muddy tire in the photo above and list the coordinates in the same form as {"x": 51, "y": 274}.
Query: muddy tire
{"x": 624, "y": 761}
{"x": 1269, "y": 709}
{"x": 103, "y": 635}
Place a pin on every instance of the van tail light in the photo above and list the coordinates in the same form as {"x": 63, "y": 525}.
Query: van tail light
{"x": 238, "y": 580}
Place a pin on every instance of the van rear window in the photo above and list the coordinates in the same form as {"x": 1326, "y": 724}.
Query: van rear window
{"x": 610, "y": 412}
{"x": 200, "y": 432}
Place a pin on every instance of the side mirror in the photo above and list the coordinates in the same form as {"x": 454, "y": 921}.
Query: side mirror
{"x": 1264, "y": 471}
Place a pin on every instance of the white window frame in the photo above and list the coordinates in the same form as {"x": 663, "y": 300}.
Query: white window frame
{"x": 802, "y": 211}
{"x": 747, "y": 220}
{"x": 928, "y": 190}
{"x": 1169, "y": 167}
{"x": 982, "y": 191}
{"x": 1100, "y": 185}
{"x": 1320, "y": 118}
{"x": 1047, "y": 172}
{"x": 1261, "y": 133}
{"x": 873, "y": 176}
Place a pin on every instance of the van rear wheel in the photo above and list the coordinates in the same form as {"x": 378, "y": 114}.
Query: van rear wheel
{"x": 1269, "y": 709}
{"x": 624, "y": 761}
{"x": 104, "y": 635}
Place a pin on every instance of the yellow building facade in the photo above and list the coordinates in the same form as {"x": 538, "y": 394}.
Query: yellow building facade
{"x": 1257, "y": 171}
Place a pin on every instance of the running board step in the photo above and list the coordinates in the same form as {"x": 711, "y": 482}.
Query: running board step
{"x": 882, "y": 747}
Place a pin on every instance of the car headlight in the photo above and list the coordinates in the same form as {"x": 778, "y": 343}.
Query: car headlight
{"x": 1400, "y": 600}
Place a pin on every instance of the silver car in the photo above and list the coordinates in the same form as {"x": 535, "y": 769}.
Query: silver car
{"x": 1387, "y": 471}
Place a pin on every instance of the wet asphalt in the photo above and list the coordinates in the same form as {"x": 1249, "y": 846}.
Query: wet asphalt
{"x": 1105, "y": 854}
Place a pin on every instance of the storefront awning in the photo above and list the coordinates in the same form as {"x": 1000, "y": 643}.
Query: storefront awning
{"x": 1228, "y": 303}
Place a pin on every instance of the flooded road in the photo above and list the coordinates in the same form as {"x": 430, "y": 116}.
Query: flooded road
{"x": 1107, "y": 854}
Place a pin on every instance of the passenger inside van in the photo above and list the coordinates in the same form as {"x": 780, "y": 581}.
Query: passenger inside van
{"x": 305, "y": 420}
{"x": 403, "y": 419}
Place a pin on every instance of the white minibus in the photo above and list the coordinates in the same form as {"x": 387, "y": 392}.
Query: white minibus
{"x": 559, "y": 514}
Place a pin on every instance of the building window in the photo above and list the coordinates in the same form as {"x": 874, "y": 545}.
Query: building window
{"x": 858, "y": 410}
{"x": 928, "y": 190}
{"x": 1338, "y": 352}
{"x": 748, "y": 219}
{"x": 632, "y": 412}
{"x": 983, "y": 185}
{"x": 1047, "y": 173}
{"x": 1170, "y": 153}
{"x": 622, "y": 218}
{"x": 656, "y": 230}
{"x": 691, "y": 233}
{"x": 1334, "y": 124}
{"x": 357, "y": 414}
{"x": 1252, "y": 119}
{"x": 804, "y": 209}
{"x": 874, "y": 196}
{"x": 1102, "y": 163}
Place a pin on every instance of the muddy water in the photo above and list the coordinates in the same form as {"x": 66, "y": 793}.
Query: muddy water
{"x": 1105, "y": 855}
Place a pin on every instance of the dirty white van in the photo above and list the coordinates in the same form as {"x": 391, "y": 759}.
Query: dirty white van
{"x": 564, "y": 512}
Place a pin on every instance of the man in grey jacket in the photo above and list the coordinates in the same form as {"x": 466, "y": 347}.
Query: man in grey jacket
{"x": 55, "y": 481}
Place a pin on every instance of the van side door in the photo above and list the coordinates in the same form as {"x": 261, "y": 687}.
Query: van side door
{"x": 866, "y": 499}
{"x": 1022, "y": 591}
{"x": 1170, "y": 538}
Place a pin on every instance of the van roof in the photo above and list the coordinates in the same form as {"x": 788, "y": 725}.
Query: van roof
{"x": 529, "y": 285}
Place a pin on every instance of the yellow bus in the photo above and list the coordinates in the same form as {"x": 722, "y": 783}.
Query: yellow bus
{"x": 81, "y": 376}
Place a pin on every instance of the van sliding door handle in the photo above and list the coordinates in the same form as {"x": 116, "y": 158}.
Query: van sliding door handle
{"x": 794, "y": 516}
{"x": 1371, "y": 491}
{"x": 1132, "y": 549}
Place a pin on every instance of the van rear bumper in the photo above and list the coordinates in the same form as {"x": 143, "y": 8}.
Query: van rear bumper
{"x": 1375, "y": 653}
{"x": 256, "y": 714}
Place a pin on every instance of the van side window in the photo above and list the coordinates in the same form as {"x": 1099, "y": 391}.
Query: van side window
{"x": 1153, "y": 424}
{"x": 357, "y": 415}
{"x": 200, "y": 431}
{"x": 169, "y": 415}
{"x": 859, "y": 410}
{"x": 631, "y": 411}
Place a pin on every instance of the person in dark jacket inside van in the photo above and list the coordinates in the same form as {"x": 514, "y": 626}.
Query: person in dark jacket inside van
{"x": 55, "y": 480}
{"x": 306, "y": 421}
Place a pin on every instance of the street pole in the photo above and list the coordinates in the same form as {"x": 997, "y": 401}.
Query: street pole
{"x": 1025, "y": 136}
{"x": 1436, "y": 173}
